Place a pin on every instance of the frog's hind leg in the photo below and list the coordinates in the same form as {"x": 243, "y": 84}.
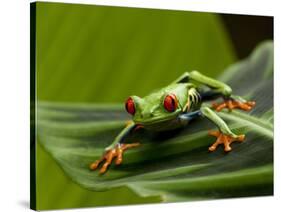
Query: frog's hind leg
{"x": 220, "y": 89}
{"x": 224, "y": 135}
{"x": 232, "y": 103}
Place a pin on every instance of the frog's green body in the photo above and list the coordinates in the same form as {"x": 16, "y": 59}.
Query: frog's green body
{"x": 173, "y": 107}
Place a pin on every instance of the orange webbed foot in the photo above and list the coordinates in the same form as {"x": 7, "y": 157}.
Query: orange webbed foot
{"x": 226, "y": 140}
{"x": 109, "y": 155}
{"x": 232, "y": 104}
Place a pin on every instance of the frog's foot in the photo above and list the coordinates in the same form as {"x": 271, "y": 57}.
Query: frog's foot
{"x": 109, "y": 155}
{"x": 231, "y": 104}
{"x": 226, "y": 140}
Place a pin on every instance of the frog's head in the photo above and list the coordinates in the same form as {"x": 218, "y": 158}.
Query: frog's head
{"x": 160, "y": 106}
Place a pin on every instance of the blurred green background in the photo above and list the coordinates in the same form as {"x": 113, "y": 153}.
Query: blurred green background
{"x": 98, "y": 54}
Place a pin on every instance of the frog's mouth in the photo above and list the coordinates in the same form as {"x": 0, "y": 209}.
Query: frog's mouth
{"x": 156, "y": 120}
{"x": 160, "y": 124}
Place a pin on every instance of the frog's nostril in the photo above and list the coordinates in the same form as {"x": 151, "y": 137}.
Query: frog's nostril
{"x": 146, "y": 115}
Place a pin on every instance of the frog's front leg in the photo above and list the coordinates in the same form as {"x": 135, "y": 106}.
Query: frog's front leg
{"x": 115, "y": 150}
{"x": 224, "y": 135}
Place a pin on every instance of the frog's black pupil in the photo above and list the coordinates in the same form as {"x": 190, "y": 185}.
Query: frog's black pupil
{"x": 173, "y": 103}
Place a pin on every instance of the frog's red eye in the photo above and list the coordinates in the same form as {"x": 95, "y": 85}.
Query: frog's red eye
{"x": 130, "y": 106}
{"x": 171, "y": 102}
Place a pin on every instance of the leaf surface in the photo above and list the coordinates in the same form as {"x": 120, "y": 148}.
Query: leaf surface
{"x": 174, "y": 166}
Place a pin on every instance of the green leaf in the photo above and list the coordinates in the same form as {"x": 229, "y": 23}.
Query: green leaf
{"x": 177, "y": 166}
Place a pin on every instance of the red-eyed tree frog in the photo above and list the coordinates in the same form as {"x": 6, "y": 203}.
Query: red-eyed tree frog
{"x": 173, "y": 107}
